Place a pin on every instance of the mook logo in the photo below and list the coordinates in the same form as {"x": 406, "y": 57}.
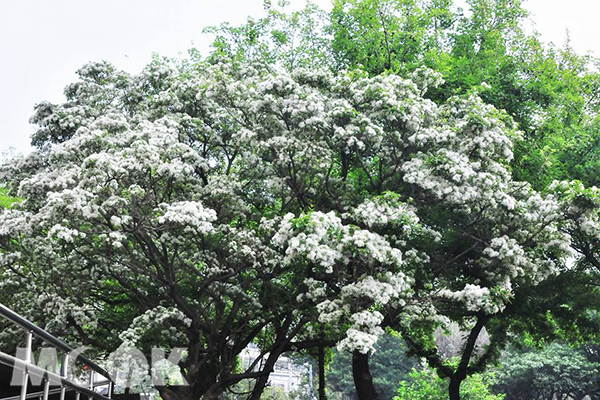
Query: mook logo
{"x": 127, "y": 367}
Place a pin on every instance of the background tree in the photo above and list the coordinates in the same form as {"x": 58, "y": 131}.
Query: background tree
{"x": 554, "y": 371}
{"x": 389, "y": 35}
{"x": 289, "y": 40}
{"x": 427, "y": 385}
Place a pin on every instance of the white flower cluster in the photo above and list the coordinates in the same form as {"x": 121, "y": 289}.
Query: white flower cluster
{"x": 61, "y": 310}
{"x": 191, "y": 215}
{"x": 64, "y": 233}
{"x": 426, "y": 78}
{"x": 153, "y": 319}
{"x": 382, "y": 212}
{"x": 15, "y": 223}
{"x": 323, "y": 241}
{"x": 317, "y": 244}
{"x": 580, "y": 205}
{"x": 363, "y": 333}
{"x": 509, "y": 255}
{"x": 357, "y": 307}
{"x": 475, "y": 298}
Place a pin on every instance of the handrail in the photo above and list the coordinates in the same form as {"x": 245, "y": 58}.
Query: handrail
{"x": 28, "y": 367}
{"x": 36, "y": 395}
{"x": 51, "y": 376}
{"x": 51, "y": 339}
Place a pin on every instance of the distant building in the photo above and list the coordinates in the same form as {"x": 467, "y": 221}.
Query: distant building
{"x": 285, "y": 375}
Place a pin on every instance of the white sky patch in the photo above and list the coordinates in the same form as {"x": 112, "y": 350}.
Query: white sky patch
{"x": 43, "y": 43}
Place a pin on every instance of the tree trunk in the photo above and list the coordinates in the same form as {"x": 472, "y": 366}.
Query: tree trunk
{"x": 322, "y": 394}
{"x": 454, "y": 389}
{"x": 259, "y": 387}
{"x": 180, "y": 393}
{"x": 202, "y": 384}
{"x": 363, "y": 380}
{"x": 461, "y": 371}
{"x": 263, "y": 380}
{"x": 210, "y": 396}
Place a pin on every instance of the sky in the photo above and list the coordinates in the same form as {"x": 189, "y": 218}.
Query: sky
{"x": 43, "y": 42}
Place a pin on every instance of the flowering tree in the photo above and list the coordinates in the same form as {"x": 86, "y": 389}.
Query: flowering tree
{"x": 213, "y": 205}
{"x": 139, "y": 225}
{"x": 428, "y": 225}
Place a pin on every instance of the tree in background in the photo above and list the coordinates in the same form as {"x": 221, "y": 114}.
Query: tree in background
{"x": 427, "y": 385}
{"x": 551, "y": 93}
{"x": 554, "y": 371}
{"x": 389, "y": 35}
{"x": 288, "y": 40}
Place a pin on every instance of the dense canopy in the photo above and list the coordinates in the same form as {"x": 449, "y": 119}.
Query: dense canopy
{"x": 306, "y": 203}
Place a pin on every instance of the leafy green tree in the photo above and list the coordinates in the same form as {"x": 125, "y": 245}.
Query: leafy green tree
{"x": 551, "y": 93}
{"x": 554, "y": 371}
{"x": 274, "y": 393}
{"x": 384, "y": 35}
{"x": 290, "y": 40}
{"x": 427, "y": 385}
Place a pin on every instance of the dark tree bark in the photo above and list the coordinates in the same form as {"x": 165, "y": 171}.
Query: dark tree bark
{"x": 263, "y": 380}
{"x": 363, "y": 380}
{"x": 283, "y": 344}
{"x": 454, "y": 389}
{"x": 460, "y": 374}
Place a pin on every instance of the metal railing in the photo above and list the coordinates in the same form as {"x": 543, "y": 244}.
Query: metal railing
{"x": 28, "y": 368}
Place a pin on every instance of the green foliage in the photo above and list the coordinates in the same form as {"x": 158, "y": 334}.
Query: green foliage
{"x": 293, "y": 40}
{"x": 554, "y": 371}
{"x": 427, "y": 385}
{"x": 6, "y": 201}
{"x": 553, "y": 94}
{"x": 383, "y": 35}
{"x": 274, "y": 393}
